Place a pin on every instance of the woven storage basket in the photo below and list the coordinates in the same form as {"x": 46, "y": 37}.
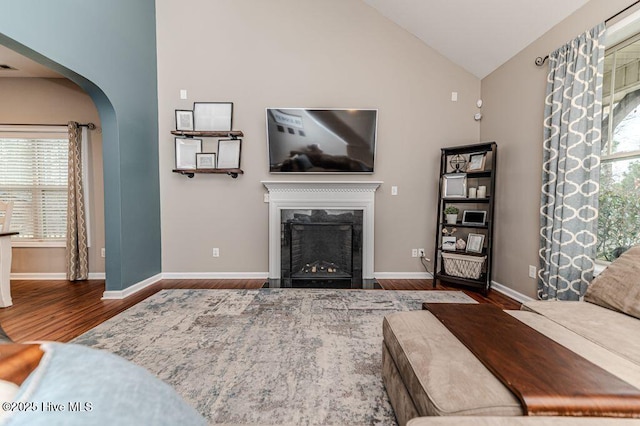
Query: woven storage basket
{"x": 460, "y": 265}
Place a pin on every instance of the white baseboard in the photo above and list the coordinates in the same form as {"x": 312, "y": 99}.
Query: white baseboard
{"x": 515, "y": 295}
{"x": 402, "y": 275}
{"x": 215, "y": 275}
{"x": 121, "y": 294}
{"x": 51, "y": 276}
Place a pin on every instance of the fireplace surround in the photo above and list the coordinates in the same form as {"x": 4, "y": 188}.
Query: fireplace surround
{"x": 332, "y": 198}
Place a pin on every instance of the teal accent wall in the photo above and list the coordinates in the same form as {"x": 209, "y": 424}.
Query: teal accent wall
{"x": 109, "y": 49}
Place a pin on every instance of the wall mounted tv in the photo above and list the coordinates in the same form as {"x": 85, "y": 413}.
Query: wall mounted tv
{"x": 307, "y": 140}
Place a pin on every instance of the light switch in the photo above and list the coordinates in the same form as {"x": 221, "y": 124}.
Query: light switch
{"x": 183, "y": 93}
{"x": 454, "y": 96}
{"x": 394, "y": 190}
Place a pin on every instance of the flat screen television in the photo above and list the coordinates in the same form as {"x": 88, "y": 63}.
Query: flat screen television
{"x": 308, "y": 140}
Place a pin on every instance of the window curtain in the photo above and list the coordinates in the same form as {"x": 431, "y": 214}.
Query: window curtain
{"x": 77, "y": 250}
{"x": 571, "y": 167}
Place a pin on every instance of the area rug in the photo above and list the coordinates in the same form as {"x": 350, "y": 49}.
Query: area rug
{"x": 267, "y": 356}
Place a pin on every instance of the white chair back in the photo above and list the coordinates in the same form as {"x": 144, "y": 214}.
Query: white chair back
{"x": 6, "y": 209}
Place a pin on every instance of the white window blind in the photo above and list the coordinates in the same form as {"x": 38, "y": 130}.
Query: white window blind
{"x": 34, "y": 174}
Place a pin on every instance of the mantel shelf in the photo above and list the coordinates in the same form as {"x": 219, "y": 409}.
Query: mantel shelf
{"x": 190, "y": 173}
{"x": 218, "y": 134}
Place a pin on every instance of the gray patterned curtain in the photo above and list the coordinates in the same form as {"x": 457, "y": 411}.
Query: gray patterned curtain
{"x": 77, "y": 251}
{"x": 571, "y": 167}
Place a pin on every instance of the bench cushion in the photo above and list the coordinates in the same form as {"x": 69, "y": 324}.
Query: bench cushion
{"x": 442, "y": 376}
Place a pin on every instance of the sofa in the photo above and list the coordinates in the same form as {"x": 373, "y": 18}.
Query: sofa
{"x": 427, "y": 372}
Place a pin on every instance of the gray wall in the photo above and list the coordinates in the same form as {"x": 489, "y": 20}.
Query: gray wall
{"x": 513, "y": 116}
{"x": 292, "y": 53}
{"x": 108, "y": 48}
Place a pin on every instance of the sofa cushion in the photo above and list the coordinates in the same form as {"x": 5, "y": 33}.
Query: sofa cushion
{"x": 442, "y": 376}
{"x": 618, "y": 286}
{"x": 611, "y": 330}
{"x": 615, "y": 364}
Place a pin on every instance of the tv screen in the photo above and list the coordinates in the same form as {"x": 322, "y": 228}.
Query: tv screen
{"x": 303, "y": 140}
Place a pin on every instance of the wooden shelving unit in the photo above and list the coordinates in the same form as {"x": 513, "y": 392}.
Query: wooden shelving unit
{"x": 190, "y": 173}
{"x": 484, "y": 178}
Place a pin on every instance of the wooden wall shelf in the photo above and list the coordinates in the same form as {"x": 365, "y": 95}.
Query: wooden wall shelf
{"x": 233, "y": 134}
{"x": 190, "y": 173}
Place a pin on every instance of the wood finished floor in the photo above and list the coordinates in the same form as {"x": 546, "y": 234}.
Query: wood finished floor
{"x": 60, "y": 310}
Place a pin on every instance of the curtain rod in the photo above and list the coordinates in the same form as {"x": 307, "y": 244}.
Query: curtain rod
{"x": 540, "y": 60}
{"x": 90, "y": 126}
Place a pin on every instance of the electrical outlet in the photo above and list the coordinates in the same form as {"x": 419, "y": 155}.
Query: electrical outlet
{"x": 216, "y": 252}
{"x": 414, "y": 252}
{"x": 266, "y": 198}
{"x": 420, "y": 252}
{"x": 183, "y": 94}
{"x": 102, "y": 252}
{"x": 532, "y": 271}
{"x": 394, "y": 190}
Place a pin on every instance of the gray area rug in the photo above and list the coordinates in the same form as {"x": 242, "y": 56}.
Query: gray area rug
{"x": 268, "y": 356}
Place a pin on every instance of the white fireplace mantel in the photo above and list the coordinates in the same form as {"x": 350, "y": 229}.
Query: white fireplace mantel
{"x": 315, "y": 195}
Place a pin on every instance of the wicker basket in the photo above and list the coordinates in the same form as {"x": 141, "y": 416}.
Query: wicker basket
{"x": 460, "y": 265}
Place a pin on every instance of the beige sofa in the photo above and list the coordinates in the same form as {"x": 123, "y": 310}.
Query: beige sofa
{"x": 428, "y": 372}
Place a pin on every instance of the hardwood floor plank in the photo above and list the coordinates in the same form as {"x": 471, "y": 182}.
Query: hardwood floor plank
{"x": 61, "y": 310}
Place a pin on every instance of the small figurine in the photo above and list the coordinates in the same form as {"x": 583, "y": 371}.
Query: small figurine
{"x": 461, "y": 244}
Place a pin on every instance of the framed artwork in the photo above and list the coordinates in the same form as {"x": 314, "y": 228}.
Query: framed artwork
{"x": 229, "y": 153}
{"x": 205, "y": 160}
{"x": 212, "y": 116}
{"x": 448, "y": 243}
{"x": 476, "y": 162}
{"x": 475, "y": 242}
{"x": 454, "y": 185}
{"x": 186, "y": 150}
{"x": 184, "y": 120}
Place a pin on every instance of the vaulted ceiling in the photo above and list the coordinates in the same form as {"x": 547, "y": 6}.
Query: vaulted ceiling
{"x": 478, "y": 35}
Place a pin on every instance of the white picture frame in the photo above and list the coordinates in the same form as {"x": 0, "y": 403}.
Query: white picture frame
{"x": 449, "y": 243}
{"x": 186, "y": 150}
{"x": 212, "y": 116}
{"x": 229, "y": 153}
{"x": 474, "y": 217}
{"x": 475, "y": 243}
{"x": 454, "y": 185}
{"x": 184, "y": 120}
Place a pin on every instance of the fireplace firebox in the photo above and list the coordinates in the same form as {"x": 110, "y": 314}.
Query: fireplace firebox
{"x": 321, "y": 248}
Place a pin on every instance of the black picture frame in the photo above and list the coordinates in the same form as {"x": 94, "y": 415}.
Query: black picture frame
{"x": 186, "y": 150}
{"x": 205, "y": 160}
{"x": 212, "y": 116}
{"x": 474, "y": 217}
{"x": 184, "y": 120}
{"x": 476, "y": 162}
{"x": 229, "y": 153}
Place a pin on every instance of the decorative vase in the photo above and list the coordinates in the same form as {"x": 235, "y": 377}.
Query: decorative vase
{"x": 452, "y": 219}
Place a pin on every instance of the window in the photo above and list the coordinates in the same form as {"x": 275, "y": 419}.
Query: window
{"x": 33, "y": 173}
{"x": 619, "y": 201}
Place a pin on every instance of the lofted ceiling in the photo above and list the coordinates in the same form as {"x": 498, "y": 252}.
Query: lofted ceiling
{"x": 478, "y": 35}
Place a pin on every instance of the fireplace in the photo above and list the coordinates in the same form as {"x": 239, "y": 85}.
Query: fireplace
{"x": 321, "y": 247}
{"x": 302, "y": 214}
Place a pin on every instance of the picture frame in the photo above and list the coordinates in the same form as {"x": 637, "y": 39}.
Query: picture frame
{"x": 229, "y": 153}
{"x": 184, "y": 119}
{"x": 475, "y": 243}
{"x": 454, "y": 185}
{"x": 186, "y": 150}
{"x": 474, "y": 217}
{"x": 212, "y": 116}
{"x": 449, "y": 243}
{"x": 476, "y": 162}
{"x": 205, "y": 160}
